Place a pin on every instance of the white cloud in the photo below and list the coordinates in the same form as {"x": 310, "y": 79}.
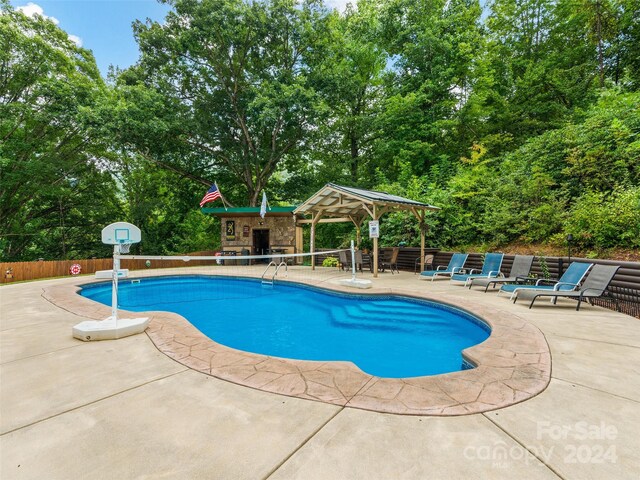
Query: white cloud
{"x": 32, "y": 9}
{"x": 75, "y": 39}
{"x": 339, "y": 5}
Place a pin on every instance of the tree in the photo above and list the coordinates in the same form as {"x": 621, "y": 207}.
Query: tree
{"x": 160, "y": 178}
{"x": 432, "y": 45}
{"x": 237, "y": 69}
{"x": 53, "y": 187}
{"x": 535, "y": 190}
{"x": 625, "y": 48}
{"x": 601, "y": 29}
{"x": 346, "y": 69}
{"x": 543, "y": 68}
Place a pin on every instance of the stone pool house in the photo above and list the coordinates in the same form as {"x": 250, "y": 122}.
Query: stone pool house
{"x": 245, "y": 232}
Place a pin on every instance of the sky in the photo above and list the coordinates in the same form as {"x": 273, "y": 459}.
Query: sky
{"x": 104, "y": 26}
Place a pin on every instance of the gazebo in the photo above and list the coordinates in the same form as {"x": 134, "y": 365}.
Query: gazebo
{"x": 336, "y": 203}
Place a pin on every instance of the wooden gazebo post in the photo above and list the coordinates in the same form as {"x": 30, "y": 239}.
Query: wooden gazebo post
{"x": 420, "y": 214}
{"x": 375, "y": 246}
{"x": 312, "y": 241}
{"x": 422, "y": 235}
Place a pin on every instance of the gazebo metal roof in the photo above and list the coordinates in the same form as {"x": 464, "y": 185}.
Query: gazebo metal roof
{"x": 340, "y": 201}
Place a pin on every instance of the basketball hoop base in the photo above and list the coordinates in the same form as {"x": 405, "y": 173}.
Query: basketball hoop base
{"x": 108, "y": 329}
{"x": 356, "y": 283}
{"x": 122, "y": 273}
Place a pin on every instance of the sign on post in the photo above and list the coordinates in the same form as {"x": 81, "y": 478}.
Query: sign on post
{"x": 374, "y": 229}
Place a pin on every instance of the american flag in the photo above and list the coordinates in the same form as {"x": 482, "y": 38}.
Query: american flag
{"x": 211, "y": 195}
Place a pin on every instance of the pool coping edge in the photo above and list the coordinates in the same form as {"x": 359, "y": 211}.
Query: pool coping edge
{"x": 513, "y": 364}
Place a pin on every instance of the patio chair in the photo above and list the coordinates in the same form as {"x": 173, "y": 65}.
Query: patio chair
{"x": 347, "y": 260}
{"x": 391, "y": 262}
{"x": 519, "y": 273}
{"x": 569, "y": 281}
{"x": 594, "y": 287}
{"x": 455, "y": 265}
{"x": 428, "y": 260}
{"x": 361, "y": 261}
{"x": 344, "y": 258}
{"x": 490, "y": 269}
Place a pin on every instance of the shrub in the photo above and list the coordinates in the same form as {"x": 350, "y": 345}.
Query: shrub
{"x": 330, "y": 262}
{"x": 605, "y": 220}
{"x": 544, "y": 266}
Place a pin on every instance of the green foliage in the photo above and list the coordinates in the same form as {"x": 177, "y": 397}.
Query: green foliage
{"x": 554, "y": 184}
{"x": 332, "y": 235}
{"x": 162, "y": 204}
{"x": 600, "y": 220}
{"x": 544, "y": 266}
{"x": 346, "y": 69}
{"x": 542, "y": 70}
{"x": 330, "y": 262}
{"x": 625, "y": 47}
{"x": 529, "y": 194}
{"x": 433, "y": 45}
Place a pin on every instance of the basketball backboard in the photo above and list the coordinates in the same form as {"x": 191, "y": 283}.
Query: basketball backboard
{"x": 121, "y": 232}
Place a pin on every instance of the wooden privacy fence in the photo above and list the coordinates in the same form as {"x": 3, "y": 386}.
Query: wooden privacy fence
{"x": 21, "y": 271}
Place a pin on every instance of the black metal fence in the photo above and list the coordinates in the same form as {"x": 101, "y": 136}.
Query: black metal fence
{"x": 625, "y": 300}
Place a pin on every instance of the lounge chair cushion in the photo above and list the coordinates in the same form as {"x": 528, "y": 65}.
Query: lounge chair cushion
{"x": 456, "y": 263}
{"x": 570, "y": 280}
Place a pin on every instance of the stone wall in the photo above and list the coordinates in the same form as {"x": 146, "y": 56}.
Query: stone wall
{"x": 282, "y": 232}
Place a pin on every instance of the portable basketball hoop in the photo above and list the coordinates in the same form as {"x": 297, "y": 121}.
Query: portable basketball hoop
{"x": 121, "y": 235}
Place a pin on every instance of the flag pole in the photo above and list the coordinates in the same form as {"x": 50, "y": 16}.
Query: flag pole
{"x": 224, "y": 202}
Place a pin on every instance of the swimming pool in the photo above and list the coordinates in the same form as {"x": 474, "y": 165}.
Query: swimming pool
{"x": 390, "y": 336}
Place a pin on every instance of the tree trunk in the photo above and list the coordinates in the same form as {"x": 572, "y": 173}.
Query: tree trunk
{"x": 355, "y": 154}
{"x": 62, "y": 231}
{"x": 253, "y": 198}
{"x": 599, "y": 34}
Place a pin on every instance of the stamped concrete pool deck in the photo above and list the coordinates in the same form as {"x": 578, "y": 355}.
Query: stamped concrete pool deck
{"x": 123, "y": 409}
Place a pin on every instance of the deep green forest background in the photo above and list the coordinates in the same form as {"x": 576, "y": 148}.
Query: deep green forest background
{"x": 521, "y": 119}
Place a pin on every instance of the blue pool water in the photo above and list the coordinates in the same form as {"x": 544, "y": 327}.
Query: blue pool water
{"x": 387, "y": 336}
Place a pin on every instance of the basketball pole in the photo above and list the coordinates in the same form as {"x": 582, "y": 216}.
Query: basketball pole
{"x": 114, "y": 283}
{"x": 353, "y": 263}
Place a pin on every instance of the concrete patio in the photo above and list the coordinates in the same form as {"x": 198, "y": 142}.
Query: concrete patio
{"x": 122, "y": 409}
